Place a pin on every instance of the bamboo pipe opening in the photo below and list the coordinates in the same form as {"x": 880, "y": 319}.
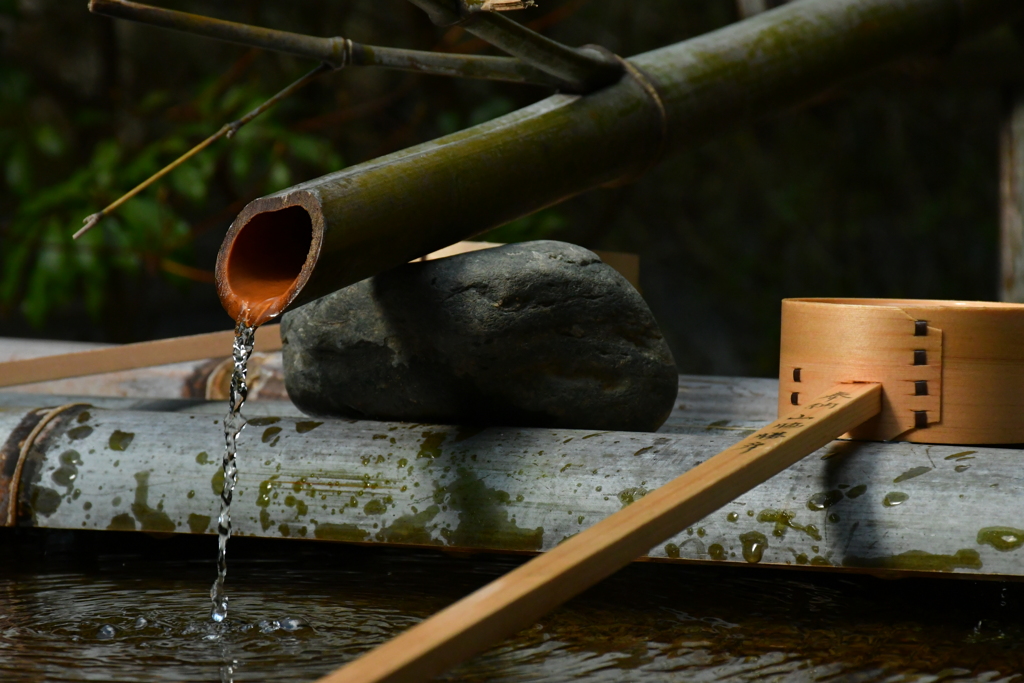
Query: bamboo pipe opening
{"x": 268, "y": 255}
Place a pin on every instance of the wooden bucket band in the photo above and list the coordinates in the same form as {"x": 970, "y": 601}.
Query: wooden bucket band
{"x": 951, "y": 371}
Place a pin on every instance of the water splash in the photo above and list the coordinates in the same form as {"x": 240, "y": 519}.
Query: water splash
{"x": 234, "y": 423}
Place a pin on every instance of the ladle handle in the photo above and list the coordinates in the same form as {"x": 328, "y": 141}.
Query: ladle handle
{"x": 519, "y": 598}
{"x": 130, "y": 356}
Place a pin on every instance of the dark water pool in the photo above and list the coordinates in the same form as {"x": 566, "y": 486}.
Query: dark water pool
{"x": 126, "y": 607}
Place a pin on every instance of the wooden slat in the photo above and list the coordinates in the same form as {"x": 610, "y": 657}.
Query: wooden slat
{"x": 130, "y": 356}
{"x": 627, "y": 265}
{"x": 517, "y": 599}
{"x": 1011, "y": 199}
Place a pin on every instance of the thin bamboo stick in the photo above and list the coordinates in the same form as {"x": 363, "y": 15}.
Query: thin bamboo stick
{"x": 517, "y": 599}
{"x": 228, "y": 130}
{"x": 130, "y": 356}
{"x": 336, "y": 51}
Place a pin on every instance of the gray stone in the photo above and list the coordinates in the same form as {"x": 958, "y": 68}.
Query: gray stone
{"x": 536, "y": 334}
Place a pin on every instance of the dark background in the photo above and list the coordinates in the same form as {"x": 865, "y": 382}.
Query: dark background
{"x": 886, "y": 186}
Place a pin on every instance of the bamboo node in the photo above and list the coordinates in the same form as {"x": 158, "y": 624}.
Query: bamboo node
{"x": 24, "y": 448}
{"x": 652, "y": 92}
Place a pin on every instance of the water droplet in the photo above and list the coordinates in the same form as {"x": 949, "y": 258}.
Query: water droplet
{"x": 911, "y": 473}
{"x": 1001, "y": 538}
{"x": 857, "y": 491}
{"x": 141, "y": 622}
{"x": 269, "y": 626}
{"x": 894, "y": 498}
{"x": 106, "y": 632}
{"x": 754, "y": 545}
{"x": 293, "y": 624}
{"x": 824, "y": 500}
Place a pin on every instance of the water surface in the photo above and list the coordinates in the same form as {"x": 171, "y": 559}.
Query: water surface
{"x": 111, "y": 606}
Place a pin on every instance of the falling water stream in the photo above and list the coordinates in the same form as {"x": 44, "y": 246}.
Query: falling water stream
{"x": 234, "y": 423}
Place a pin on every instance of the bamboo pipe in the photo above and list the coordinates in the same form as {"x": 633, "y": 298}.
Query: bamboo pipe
{"x": 327, "y": 233}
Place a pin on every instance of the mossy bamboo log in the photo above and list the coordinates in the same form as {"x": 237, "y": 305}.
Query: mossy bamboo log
{"x": 885, "y": 508}
{"x": 327, "y": 233}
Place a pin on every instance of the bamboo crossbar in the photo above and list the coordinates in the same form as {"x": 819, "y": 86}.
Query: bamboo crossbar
{"x": 130, "y": 356}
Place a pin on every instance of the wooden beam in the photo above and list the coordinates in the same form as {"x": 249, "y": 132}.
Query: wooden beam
{"x": 130, "y": 356}
{"x": 1011, "y": 198}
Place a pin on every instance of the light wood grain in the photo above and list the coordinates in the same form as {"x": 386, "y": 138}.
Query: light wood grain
{"x": 516, "y": 600}
{"x": 974, "y": 366}
{"x": 628, "y": 265}
{"x": 829, "y": 342}
{"x": 130, "y": 356}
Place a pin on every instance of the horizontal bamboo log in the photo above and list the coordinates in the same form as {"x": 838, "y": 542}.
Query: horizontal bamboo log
{"x": 885, "y": 508}
{"x": 343, "y": 227}
{"x": 749, "y": 402}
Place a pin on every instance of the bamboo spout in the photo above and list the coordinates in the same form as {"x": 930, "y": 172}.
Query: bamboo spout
{"x": 268, "y": 255}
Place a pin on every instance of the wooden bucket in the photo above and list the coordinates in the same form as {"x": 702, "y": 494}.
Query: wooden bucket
{"x": 952, "y": 371}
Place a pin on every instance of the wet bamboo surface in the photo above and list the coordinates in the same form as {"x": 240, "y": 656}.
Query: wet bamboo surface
{"x": 878, "y": 507}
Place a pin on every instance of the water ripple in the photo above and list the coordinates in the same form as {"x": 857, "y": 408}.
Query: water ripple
{"x": 103, "y": 614}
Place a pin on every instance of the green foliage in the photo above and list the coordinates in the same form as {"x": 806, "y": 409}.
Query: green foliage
{"x": 539, "y": 226}
{"x": 52, "y": 180}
